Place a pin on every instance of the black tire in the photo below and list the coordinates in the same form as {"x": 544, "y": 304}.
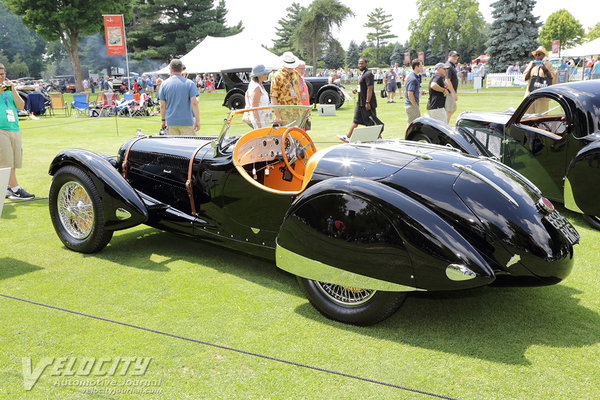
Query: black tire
{"x": 421, "y": 137}
{"x": 374, "y": 308}
{"x": 330, "y": 96}
{"x": 81, "y": 230}
{"x": 236, "y": 101}
{"x": 592, "y": 221}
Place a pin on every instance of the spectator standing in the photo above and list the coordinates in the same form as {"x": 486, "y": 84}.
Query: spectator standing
{"x": 539, "y": 67}
{"x": 301, "y": 70}
{"x": 451, "y": 84}
{"x": 436, "y": 105}
{"x": 365, "y": 111}
{"x": 285, "y": 86}
{"x": 399, "y": 73}
{"x": 389, "y": 82}
{"x": 413, "y": 91}
{"x": 257, "y": 96}
{"x": 178, "y": 103}
{"x": 596, "y": 69}
{"x": 11, "y": 152}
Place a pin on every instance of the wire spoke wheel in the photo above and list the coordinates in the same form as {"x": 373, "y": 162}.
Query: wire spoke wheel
{"x": 345, "y": 295}
{"x": 75, "y": 210}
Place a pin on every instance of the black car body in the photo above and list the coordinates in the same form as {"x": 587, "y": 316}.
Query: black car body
{"x": 553, "y": 139}
{"x": 64, "y": 83}
{"x": 358, "y": 224}
{"x": 319, "y": 89}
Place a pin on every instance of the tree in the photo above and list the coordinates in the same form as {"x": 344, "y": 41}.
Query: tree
{"x": 380, "y": 22}
{"x": 513, "y": 34}
{"x": 287, "y": 27}
{"x": 352, "y": 55}
{"x": 594, "y": 33}
{"x": 67, "y": 22}
{"x": 316, "y": 24}
{"x": 397, "y": 54}
{"x": 561, "y": 25}
{"x": 443, "y": 24}
{"x": 165, "y": 29}
{"x": 335, "y": 55}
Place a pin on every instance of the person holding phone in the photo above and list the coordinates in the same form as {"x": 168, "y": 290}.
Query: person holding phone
{"x": 11, "y": 152}
{"x": 540, "y": 66}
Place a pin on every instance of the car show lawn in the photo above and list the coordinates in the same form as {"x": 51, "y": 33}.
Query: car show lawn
{"x": 486, "y": 343}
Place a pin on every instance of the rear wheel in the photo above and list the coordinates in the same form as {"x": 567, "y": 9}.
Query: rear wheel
{"x": 593, "y": 221}
{"x": 76, "y": 211}
{"x": 236, "y": 101}
{"x": 330, "y": 96}
{"x": 349, "y": 304}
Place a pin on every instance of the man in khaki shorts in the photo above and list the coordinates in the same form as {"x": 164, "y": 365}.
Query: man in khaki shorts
{"x": 11, "y": 152}
{"x": 178, "y": 103}
{"x": 451, "y": 84}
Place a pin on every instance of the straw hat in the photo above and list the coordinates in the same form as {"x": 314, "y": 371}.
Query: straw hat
{"x": 540, "y": 49}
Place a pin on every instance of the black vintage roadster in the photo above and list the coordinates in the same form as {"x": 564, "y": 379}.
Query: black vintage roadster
{"x": 553, "y": 138}
{"x": 360, "y": 225}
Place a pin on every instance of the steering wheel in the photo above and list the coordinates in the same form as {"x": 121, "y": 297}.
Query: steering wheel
{"x": 298, "y": 152}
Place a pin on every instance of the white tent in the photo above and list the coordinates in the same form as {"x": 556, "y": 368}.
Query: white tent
{"x": 586, "y": 49}
{"x": 215, "y": 54}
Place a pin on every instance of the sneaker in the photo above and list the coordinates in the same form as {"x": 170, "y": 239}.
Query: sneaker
{"x": 344, "y": 138}
{"x": 20, "y": 194}
{"x": 9, "y": 192}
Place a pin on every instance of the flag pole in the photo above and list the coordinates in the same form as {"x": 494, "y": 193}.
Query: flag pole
{"x": 126, "y": 54}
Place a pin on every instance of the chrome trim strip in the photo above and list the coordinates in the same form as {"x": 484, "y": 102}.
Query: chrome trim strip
{"x": 456, "y": 272}
{"x": 318, "y": 271}
{"x": 481, "y": 177}
{"x": 122, "y": 214}
{"x": 568, "y": 198}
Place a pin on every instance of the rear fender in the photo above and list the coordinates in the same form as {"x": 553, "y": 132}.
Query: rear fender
{"x": 439, "y": 133}
{"x": 122, "y": 206}
{"x": 231, "y": 93}
{"x": 583, "y": 173}
{"x": 361, "y": 233}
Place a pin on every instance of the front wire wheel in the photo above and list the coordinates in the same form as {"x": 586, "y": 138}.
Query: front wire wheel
{"x": 349, "y": 304}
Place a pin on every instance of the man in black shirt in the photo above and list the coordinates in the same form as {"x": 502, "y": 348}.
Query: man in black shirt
{"x": 451, "y": 84}
{"x": 437, "y": 94}
{"x": 366, "y": 104}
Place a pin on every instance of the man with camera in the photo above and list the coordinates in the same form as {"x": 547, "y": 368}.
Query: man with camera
{"x": 539, "y": 69}
{"x": 11, "y": 152}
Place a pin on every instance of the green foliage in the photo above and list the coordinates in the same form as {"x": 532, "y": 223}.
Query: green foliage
{"x": 514, "y": 33}
{"x": 594, "y": 33}
{"x": 335, "y": 56}
{"x": 443, "y": 24}
{"x": 164, "y": 29}
{"x": 398, "y": 54}
{"x": 315, "y": 27}
{"x": 385, "y": 53}
{"x": 561, "y": 25}
{"x": 286, "y": 28}
{"x": 18, "y": 41}
{"x": 380, "y": 24}
{"x": 352, "y": 55}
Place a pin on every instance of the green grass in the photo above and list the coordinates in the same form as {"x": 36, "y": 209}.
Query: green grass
{"x": 488, "y": 343}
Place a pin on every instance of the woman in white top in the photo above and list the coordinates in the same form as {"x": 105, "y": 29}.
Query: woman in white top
{"x": 257, "y": 96}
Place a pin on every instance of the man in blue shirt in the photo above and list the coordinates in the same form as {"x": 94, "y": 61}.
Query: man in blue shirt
{"x": 413, "y": 91}
{"x": 11, "y": 152}
{"x": 178, "y": 103}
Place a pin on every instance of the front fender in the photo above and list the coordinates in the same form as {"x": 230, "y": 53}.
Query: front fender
{"x": 117, "y": 193}
{"x": 583, "y": 173}
{"x": 362, "y": 233}
{"x": 439, "y": 133}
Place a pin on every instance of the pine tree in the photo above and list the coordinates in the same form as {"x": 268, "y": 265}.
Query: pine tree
{"x": 164, "y": 29}
{"x": 397, "y": 54}
{"x": 334, "y": 55}
{"x": 352, "y": 55}
{"x": 380, "y": 22}
{"x": 514, "y": 33}
{"x": 286, "y": 27}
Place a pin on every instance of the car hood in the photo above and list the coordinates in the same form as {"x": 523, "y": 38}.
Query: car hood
{"x": 498, "y": 118}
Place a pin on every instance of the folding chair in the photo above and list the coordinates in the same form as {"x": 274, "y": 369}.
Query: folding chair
{"x": 139, "y": 108}
{"x": 123, "y": 106}
{"x": 57, "y": 102}
{"x": 109, "y": 104}
{"x": 80, "y": 104}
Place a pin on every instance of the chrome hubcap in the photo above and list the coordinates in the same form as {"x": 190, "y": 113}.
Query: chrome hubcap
{"x": 345, "y": 295}
{"x": 75, "y": 210}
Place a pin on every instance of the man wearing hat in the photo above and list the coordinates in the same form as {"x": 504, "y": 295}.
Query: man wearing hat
{"x": 540, "y": 66}
{"x": 178, "y": 103}
{"x": 438, "y": 93}
{"x": 451, "y": 84}
{"x": 285, "y": 86}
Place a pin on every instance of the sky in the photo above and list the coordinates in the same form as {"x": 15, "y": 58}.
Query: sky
{"x": 261, "y": 17}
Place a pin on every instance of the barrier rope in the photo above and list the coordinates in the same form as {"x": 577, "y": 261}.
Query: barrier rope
{"x": 223, "y": 347}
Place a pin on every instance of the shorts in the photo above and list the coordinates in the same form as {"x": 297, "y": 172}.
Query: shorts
{"x": 391, "y": 87}
{"x": 11, "y": 151}
{"x": 412, "y": 112}
{"x": 180, "y": 131}
{"x": 439, "y": 114}
{"x": 362, "y": 116}
{"x": 450, "y": 103}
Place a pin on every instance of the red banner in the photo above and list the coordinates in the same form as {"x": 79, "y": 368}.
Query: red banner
{"x": 555, "y": 46}
{"x": 421, "y": 57}
{"x": 114, "y": 35}
{"x": 406, "y": 58}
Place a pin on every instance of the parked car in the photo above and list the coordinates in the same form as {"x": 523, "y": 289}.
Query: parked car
{"x": 553, "y": 139}
{"x": 319, "y": 89}
{"x": 64, "y": 83}
{"x": 360, "y": 225}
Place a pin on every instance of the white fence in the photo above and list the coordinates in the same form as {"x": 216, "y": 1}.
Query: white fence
{"x": 505, "y": 80}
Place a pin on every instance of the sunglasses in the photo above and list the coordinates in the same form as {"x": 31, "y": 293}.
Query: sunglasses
{"x": 540, "y": 55}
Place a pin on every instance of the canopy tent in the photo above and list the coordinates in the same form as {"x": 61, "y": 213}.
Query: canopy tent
{"x": 215, "y": 54}
{"x": 586, "y": 49}
{"x": 482, "y": 58}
